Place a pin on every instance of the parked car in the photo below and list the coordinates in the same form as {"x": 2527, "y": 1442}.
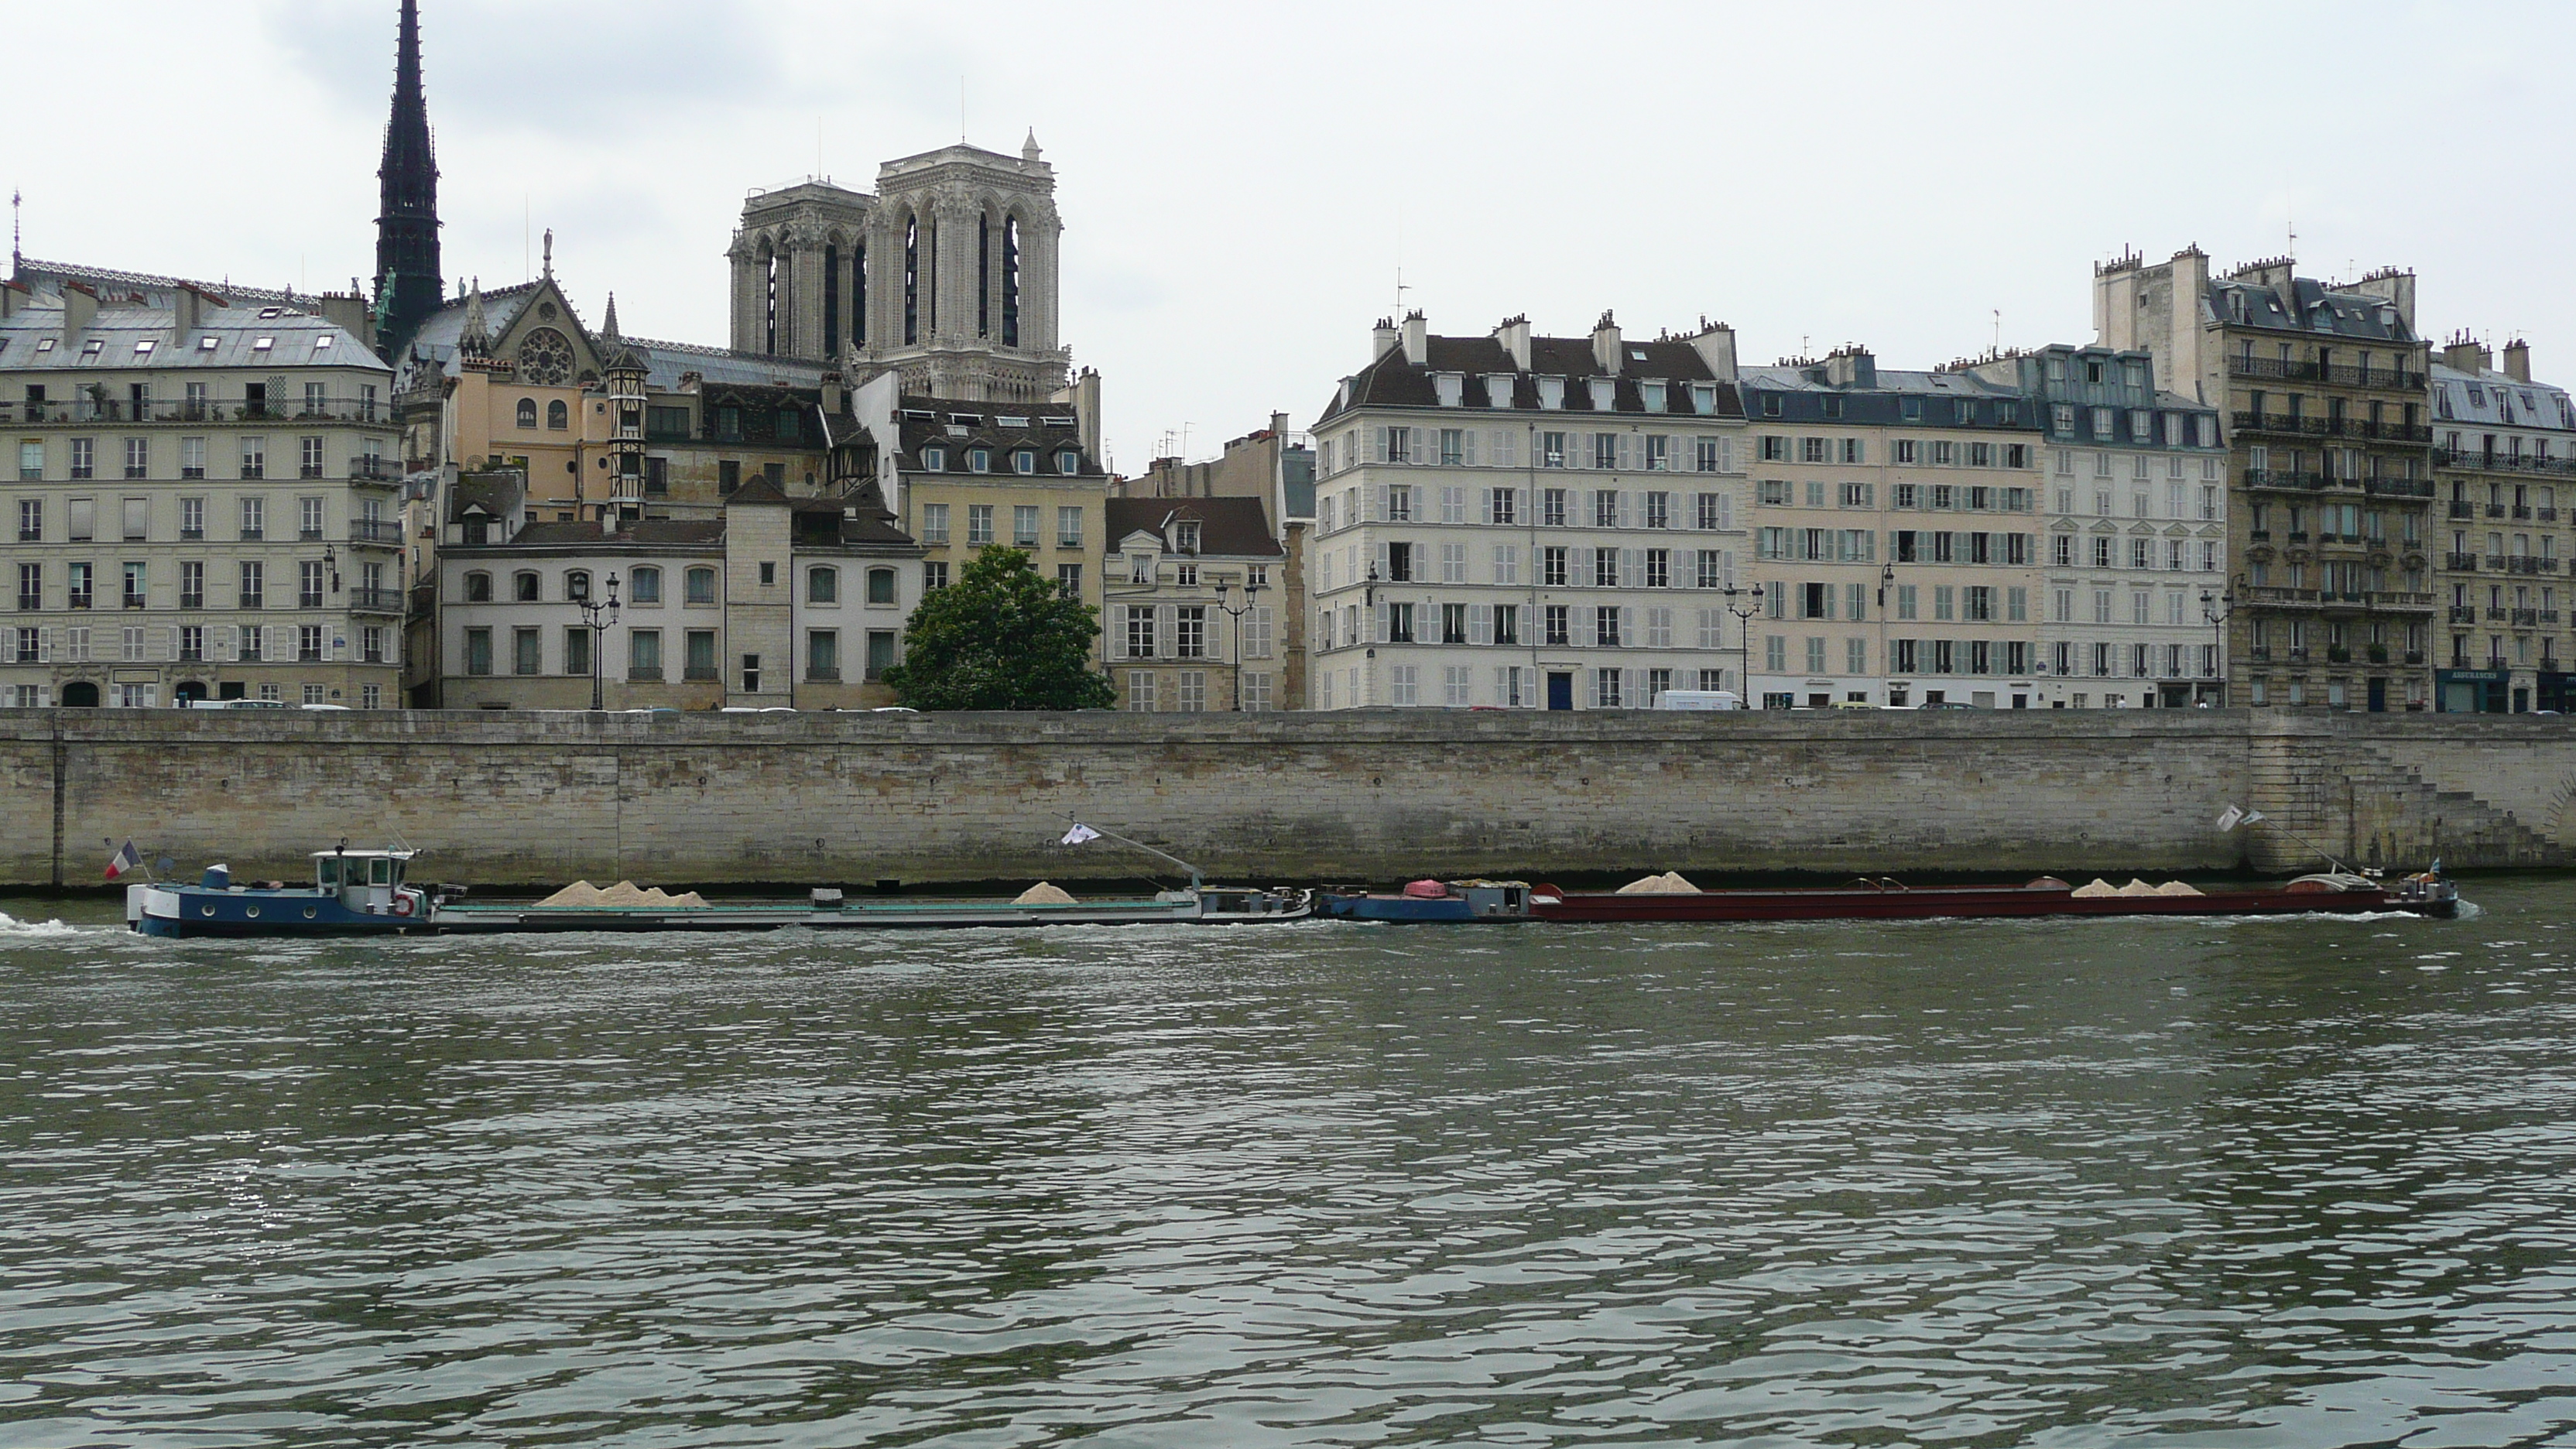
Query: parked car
{"x": 1698, "y": 699}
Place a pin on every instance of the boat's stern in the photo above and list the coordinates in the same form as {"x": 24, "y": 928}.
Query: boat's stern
{"x": 153, "y": 909}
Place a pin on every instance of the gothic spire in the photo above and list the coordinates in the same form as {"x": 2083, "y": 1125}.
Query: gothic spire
{"x": 407, "y": 216}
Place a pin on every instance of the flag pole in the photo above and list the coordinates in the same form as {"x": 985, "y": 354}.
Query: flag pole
{"x": 2252, "y": 818}
{"x": 1196, "y": 879}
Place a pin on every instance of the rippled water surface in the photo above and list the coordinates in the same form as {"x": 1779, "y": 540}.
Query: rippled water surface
{"x": 2264, "y": 1183}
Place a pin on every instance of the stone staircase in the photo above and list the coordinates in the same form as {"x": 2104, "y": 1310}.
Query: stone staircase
{"x": 2368, "y": 804}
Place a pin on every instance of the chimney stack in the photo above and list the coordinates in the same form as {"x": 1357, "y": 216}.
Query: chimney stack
{"x": 1606, "y": 353}
{"x": 13, "y": 295}
{"x": 2517, "y": 360}
{"x": 1514, "y": 335}
{"x": 1417, "y": 340}
{"x": 80, "y": 308}
{"x": 2467, "y": 354}
{"x": 1382, "y": 338}
{"x": 1279, "y": 425}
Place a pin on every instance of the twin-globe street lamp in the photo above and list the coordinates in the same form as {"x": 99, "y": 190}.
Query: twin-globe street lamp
{"x": 596, "y": 616}
{"x": 1224, "y": 592}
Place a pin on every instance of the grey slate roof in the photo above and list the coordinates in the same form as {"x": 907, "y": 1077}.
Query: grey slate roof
{"x": 296, "y": 339}
{"x": 1002, "y": 426}
{"x": 1228, "y": 527}
{"x": 2494, "y": 399}
{"x": 2345, "y": 314}
{"x": 1391, "y": 381}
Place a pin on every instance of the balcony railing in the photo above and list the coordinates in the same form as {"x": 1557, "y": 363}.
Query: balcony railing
{"x": 374, "y": 530}
{"x": 2463, "y": 510}
{"x": 2463, "y": 563}
{"x": 2526, "y": 618}
{"x": 2484, "y": 462}
{"x": 2330, "y": 427}
{"x": 2340, "y": 374}
{"x": 85, "y": 412}
{"x": 2464, "y": 616}
{"x": 375, "y": 470}
{"x": 2398, "y": 487}
{"x": 2282, "y": 478}
{"x": 376, "y": 601}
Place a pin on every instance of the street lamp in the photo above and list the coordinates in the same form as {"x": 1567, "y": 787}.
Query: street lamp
{"x": 2215, "y": 608}
{"x": 596, "y": 616}
{"x": 1744, "y": 622}
{"x": 1224, "y": 589}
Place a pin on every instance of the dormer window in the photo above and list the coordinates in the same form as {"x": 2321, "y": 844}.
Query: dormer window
{"x": 1140, "y": 568}
{"x": 1704, "y": 398}
{"x": 1185, "y": 536}
{"x": 1024, "y": 460}
{"x": 1551, "y": 392}
{"x": 1498, "y": 389}
{"x": 1068, "y": 462}
{"x": 1605, "y": 394}
{"x": 1652, "y": 394}
{"x": 979, "y": 460}
{"x": 1451, "y": 387}
{"x": 934, "y": 460}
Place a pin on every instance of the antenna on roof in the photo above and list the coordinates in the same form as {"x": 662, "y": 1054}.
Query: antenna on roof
{"x": 17, "y": 258}
{"x": 1999, "y": 329}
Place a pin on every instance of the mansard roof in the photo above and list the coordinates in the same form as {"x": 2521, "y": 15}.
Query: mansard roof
{"x": 2320, "y": 309}
{"x": 1392, "y": 381}
{"x": 1228, "y": 527}
{"x": 295, "y": 339}
{"x": 947, "y": 422}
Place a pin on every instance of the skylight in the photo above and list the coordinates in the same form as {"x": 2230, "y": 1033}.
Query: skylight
{"x": 205, "y": 344}
{"x": 144, "y": 347}
{"x": 263, "y": 344}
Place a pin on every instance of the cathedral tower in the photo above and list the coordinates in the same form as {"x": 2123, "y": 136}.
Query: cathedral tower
{"x": 408, "y": 288}
{"x": 947, "y": 275}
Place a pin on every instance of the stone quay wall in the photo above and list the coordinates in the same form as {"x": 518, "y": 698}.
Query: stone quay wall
{"x": 537, "y": 799}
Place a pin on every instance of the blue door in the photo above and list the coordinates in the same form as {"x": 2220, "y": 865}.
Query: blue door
{"x": 1560, "y": 691}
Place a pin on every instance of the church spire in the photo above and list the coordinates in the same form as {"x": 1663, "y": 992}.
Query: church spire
{"x": 407, "y": 216}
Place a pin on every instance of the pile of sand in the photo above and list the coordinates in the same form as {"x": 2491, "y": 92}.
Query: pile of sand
{"x": 582, "y": 895}
{"x": 2137, "y": 887}
{"x": 1669, "y": 883}
{"x": 2177, "y": 888}
{"x": 1043, "y": 894}
{"x": 2098, "y": 887}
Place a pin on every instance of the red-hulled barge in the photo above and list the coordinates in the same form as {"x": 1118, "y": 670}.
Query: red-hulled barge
{"x": 2336, "y": 893}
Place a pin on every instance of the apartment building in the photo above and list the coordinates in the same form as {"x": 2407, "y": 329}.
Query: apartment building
{"x": 2323, "y": 390}
{"x": 1896, "y": 537}
{"x": 776, "y": 602}
{"x": 2504, "y": 468}
{"x": 1198, "y": 616}
{"x": 2134, "y": 521}
{"x": 204, "y": 501}
{"x": 1527, "y": 522}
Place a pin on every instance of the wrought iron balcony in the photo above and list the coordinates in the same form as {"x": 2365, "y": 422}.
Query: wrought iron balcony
{"x": 2465, "y": 461}
{"x": 376, "y": 601}
{"x": 2282, "y": 478}
{"x": 2526, "y": 618}
{"x": 2464, "y": 616}
{"x": 2398, "y": 487}
{"x": 2463, "y": 510}
{"x": 374, "y": 530}
{"x": 2463, "y": 563}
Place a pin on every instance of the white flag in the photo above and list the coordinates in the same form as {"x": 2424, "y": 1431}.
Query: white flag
{"x": 2251, "y": 816}
{"x": 2229, "y": 819}
{"x": 1078, "y": 834}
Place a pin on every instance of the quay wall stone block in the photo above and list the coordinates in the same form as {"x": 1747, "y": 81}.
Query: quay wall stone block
{"x": 524, "y": 798}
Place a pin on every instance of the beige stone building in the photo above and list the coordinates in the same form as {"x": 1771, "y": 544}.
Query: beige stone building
{"x": 1197, "y": 616}
{"x": 1276, "y": 467}
{"x": 1896, "y": 538}
{"x": 2504, "y": 474}
{"x": 2323, "y": 389}
{"x": 205, "y": 495}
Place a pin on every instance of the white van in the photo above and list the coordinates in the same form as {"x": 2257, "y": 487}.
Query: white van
{"x": 1698, "y": 699}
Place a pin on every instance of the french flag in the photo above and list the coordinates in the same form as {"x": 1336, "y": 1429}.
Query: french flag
{"x": 125, "y": 859}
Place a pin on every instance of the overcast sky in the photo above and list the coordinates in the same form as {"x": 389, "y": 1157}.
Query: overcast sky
{"x": 1239, "y": 185}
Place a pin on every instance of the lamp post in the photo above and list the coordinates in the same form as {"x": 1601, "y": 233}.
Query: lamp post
{"x": 2215, "y": 608}
{"x": 596, "y": 616}
{"x": 1744, "y": 623}
{"x": 1224, "y": 591}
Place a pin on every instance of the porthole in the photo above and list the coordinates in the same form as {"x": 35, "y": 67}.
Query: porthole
{"x": 308, "y": 913}
{"x": 205, "y": 910}
{"x": 251, "y": 911}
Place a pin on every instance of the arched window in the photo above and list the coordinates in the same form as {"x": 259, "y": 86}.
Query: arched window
{"x": 478, "y": 588}
{"x": 577, "y": 584}
{"x": 527, "y": 412}
{"x": 1068, "y": 462}
{"x": 523, "y": 588}
{"x": 983, "y": 276}
{"x": 823, "y": 586}
{"x": 1024, "y": 460}
{"x": 1011, "y": 282}
{"x": 880, "y": 586}
{"x": 702, "y": 586}
{"x": 832, "y": 296}
{"x": 912, "y": 280}
{"x": 647, "y": 586}
{"x": 558, "y": 417}
{"x": 979, "y": 460}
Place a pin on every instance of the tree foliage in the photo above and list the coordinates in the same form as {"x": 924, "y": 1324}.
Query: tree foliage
{"x": 1001, "y": 637}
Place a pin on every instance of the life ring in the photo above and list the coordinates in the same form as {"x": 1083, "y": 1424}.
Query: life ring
{"x": 402, "y": 905}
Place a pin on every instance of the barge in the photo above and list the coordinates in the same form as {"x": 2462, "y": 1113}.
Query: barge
{"x": 367, "y": 893}
{"x": 2337, "y": 892}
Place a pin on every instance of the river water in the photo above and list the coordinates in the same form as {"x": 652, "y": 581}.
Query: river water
{"x": 2253, "y": 1183}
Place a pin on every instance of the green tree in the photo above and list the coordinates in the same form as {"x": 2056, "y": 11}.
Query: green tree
{"x": 1001, "y": 637}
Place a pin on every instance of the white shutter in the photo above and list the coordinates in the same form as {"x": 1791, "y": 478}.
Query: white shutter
{"x": 1377, "y": 503}
{"x": 1480, "y": 623}
{"x": 1627, "y": 627}
{"x": 1726, "y": 510}
{"x": 1503, "y": 442}
{"x": 1726, "y": 455}
{"x": 1383, "y": 572}
{"x": 1626, "y": 461}
{"x": 166, "y": 643}
{"x": 1167, "y": 638}
{"x": 1381, "y": 445}
{"x": 1631, "y": 569}
{"x": 1622, "y": 515}
{"x": 1468, "y": 444}
{"x": 45, "y": 646}
{"x": 1378, "y": 626}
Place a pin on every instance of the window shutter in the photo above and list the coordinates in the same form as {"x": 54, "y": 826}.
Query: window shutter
{"x": 1480, "y": 623}
{"x": 1726, "y": 510}
{"x": 1627, "y": 627}
{"x": 45, "y": 647}
{"x": 1377, "y": 503}
{"x": 1381, "y": 445}
{"x": 1468, "y": 444}
{"x": 1378, "y": 626}
{"x": 1624, "y": 495}
{"x": 1725, "y": 456}
{"x": 1626, "y": 459}
{"x": 1631, "y": 568}
{"x": 167, "y": 641}
{"x": 1167, "y": 639}
{"x": 1382, "y": 572}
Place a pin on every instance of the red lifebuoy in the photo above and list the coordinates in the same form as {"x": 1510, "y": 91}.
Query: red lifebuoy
{"x": 402, "y": 905}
